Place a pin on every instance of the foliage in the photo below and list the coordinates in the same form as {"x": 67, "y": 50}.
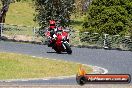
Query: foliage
{"x": 4, "y": 2}
{"x": 4, "y": 9}
{"x": 78, "y": 6}
{"x": 53, "y": 9}
{"x": 109, "y": 16}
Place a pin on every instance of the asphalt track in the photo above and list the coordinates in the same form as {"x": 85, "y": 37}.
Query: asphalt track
{"x": 117, "y": 62}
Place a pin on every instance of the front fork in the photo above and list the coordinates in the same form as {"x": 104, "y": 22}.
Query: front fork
{"x": 63, "y": 44}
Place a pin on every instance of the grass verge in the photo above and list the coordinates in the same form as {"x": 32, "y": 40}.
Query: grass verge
{"x": 21, "y": 13}
{"x": 17, "y": 66}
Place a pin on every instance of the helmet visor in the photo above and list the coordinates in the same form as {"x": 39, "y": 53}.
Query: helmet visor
{"x": 52, "y": 24}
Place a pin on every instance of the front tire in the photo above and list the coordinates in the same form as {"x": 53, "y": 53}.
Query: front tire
{"x": 68, "y": 48}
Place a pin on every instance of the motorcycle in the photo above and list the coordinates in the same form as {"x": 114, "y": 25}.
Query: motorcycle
{"x": 59, "y": 42}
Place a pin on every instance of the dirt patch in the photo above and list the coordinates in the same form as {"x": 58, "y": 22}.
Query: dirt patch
{"x": 22, "y": 38}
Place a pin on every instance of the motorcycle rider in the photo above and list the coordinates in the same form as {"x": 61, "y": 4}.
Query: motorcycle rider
{"x": 52, "y": 28}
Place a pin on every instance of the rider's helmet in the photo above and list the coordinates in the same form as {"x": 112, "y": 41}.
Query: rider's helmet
{"x": 52, "y": 24}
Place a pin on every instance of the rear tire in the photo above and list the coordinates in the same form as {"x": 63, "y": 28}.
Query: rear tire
{"x": 68, "y": 48}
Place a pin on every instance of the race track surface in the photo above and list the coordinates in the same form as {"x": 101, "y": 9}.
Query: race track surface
{"x": 118, "y": 62}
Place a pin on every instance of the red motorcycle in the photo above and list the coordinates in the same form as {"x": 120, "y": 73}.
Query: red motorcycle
{"x": 60, "y": 41}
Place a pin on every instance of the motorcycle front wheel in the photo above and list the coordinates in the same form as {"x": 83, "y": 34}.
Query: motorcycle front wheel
{"x": 68, "y": 48}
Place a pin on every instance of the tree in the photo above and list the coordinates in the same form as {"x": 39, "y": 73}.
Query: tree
{"x": 109, "y": 16}
{"x": 82, "y": 6}
{"x": 4, "y": 9}
{"x": 3, "y": 2}
{"x": 53, "y": 9}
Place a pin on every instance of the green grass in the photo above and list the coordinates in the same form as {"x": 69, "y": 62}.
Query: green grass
{"x": 21, "y": 13}
{"x": 17, "y": 66}
{"x": 77, "y": 22}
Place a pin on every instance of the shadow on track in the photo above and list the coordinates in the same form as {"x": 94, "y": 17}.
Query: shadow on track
{"x": 57, "y": 53}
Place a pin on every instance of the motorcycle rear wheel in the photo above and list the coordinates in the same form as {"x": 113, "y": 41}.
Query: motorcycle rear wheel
{"x": 57, "y": 51}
